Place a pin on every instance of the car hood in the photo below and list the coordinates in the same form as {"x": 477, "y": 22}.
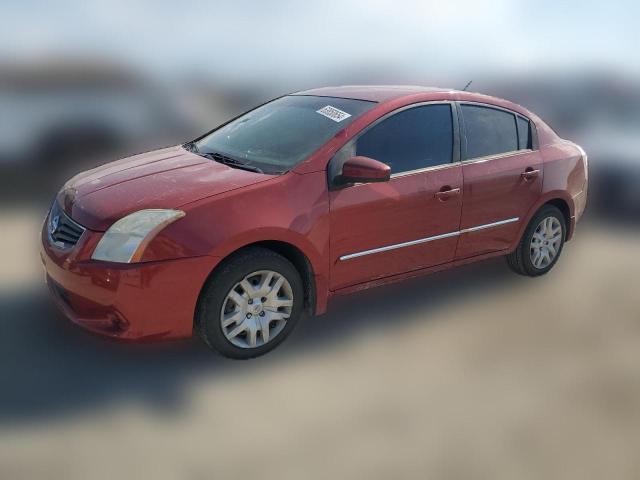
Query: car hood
{"x": 167, "y": 178}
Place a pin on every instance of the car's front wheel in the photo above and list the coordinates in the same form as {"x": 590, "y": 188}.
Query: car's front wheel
{"x": 541, "y": 244}
{"x": 250, "y": 304}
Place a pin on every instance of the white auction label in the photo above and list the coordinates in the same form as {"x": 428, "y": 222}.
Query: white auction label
{"x": 333, "y": 113}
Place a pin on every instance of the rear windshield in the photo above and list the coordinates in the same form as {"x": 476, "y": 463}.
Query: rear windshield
{"x": 280, "y": 134}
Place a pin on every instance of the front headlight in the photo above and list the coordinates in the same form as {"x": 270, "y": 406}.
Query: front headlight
{"x": 126, "y": 239}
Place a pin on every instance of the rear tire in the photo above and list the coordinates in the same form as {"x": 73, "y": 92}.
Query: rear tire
{"x": 250, "y": 304}
{"x": 541, "y": 244}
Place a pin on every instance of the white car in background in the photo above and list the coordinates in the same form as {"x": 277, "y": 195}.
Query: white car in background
{"x": 71, "y": 112}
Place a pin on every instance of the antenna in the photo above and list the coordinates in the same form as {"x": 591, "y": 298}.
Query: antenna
{"x": 467, "y": 86}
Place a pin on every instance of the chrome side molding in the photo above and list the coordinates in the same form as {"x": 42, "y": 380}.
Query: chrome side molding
{"x": 490, "y": 225}
{"x": 428, "y": 239}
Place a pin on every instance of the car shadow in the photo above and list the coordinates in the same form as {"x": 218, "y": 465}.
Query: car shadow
{"x": 49, "y": 368}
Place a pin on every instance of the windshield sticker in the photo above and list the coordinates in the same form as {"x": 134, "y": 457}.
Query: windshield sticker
{"x": 333, "y": 113}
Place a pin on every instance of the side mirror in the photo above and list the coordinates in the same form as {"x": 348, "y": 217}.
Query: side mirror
{"x": 364, "y": 170}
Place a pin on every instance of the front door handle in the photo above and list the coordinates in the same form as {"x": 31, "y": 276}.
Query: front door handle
{"x": 530, "y": 173}
{"x": 447, "y": 192}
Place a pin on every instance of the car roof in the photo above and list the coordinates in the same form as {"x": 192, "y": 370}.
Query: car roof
{"x": 388, "y": 93}
{"x": 371, "y": 93}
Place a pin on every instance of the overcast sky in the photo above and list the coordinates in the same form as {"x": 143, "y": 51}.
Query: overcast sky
{"x": 286, "y": 39}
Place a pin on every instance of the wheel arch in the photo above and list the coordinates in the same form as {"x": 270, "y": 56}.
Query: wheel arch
{"x": 299, "y": 260}
{"x": 563, "y": 206}
{"x": 296, "y": 256}
{"x": 562, "y": 201}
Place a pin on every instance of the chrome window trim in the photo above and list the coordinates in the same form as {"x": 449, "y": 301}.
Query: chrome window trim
{"x": 428, "y": 239}
{"x": 425, "y": 169}
{"x": 490, "y": 105}
{"x": 497, "y": 156}
{"x": 463, "y": 134}
{"x": 411, "y": 172}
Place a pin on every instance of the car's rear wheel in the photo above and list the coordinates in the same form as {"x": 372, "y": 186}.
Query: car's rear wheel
{"x": 541, "y": 244}
{"x": 250, "y": 304}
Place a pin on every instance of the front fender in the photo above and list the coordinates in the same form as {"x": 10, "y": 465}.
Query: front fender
{"x": 293, "y": 209}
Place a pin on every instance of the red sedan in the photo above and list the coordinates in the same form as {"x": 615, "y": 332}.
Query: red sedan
{"x": 320, "y": 193}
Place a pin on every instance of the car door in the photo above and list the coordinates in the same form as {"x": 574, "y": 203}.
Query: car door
{"x": 502, "y": 170}
{"x": 411, "y": 221}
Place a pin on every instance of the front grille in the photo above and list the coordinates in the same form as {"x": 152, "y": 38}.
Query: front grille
{"x": 63, "y": 231}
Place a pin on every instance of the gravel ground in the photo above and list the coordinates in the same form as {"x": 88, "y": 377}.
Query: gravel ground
{"x": 471, "y": 373}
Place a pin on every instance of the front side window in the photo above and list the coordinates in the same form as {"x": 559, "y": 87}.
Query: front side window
{"x": 412, "y": 139}
{"x": 280, "y": 134}
{"x": 488, "y": 131}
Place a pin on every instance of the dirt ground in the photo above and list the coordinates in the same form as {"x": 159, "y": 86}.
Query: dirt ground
{"x": 473, "y": 373}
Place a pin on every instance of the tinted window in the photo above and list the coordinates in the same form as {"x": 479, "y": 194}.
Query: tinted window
{"x": 524, "y": 133}
{"x": 489, "y": 131}
{"x": 278, "y": 135}
{"x": 416, "y": 138}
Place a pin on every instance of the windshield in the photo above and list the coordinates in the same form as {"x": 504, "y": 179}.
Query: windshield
{"x": 280, "y": 134}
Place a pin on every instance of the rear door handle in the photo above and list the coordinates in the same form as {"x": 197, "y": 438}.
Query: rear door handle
{"x": 446, "y": 192}
{"x": 530, "y": 173}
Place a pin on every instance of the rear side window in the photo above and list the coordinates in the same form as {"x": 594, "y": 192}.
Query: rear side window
{"x": 489, "y": 131}
{"x": 412, "y": 139}
{"x": 524, "y": 133}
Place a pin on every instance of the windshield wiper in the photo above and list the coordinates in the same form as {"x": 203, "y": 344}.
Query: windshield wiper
{"x": 191, "y": 146}
{"x": 232, "y": 162}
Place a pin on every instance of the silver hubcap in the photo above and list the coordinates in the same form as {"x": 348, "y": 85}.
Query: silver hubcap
{"x": 256, "y": 309}
{"x": 546, "y": 242}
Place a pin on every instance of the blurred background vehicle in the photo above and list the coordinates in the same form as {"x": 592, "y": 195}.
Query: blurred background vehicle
{"x": 438, "y": 379}
{"x": 70, "y": 114}
{"x": 66, "y": 111}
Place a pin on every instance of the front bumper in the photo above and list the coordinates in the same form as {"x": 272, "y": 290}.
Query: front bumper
{"x": 143, "y": 301}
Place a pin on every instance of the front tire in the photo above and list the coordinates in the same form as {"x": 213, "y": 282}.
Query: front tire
{"x": 250, "y": 304}
{"x": 541, "y": 244}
